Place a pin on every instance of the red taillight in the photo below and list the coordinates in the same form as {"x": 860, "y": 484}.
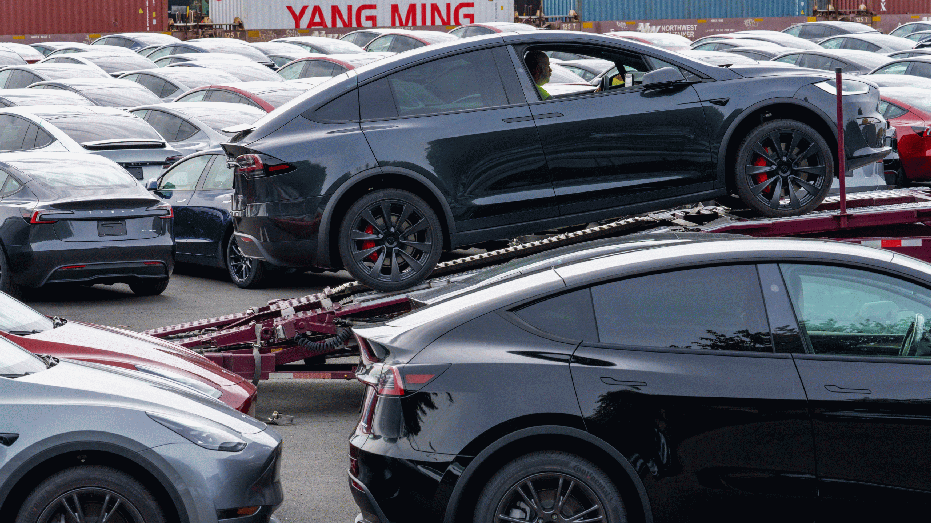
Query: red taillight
{"x": 151, "y": 263}
{"x": 171, "y": 161}
{"x": 167, "y": 212}
{"x": 36, "y": 217}
{"x": 390, "y": 382}
{"x": 354, "y": 461}
{"x": 368, "y": 412}
{"x": 73, "y": 267}
{"x": 250, "y": 165}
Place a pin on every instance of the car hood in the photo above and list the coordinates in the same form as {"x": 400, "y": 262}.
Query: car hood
{"x": 123, "y": 348}
{"x": 82, "y": 383}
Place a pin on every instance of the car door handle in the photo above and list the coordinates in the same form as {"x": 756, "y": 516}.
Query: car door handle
{"x": 518, "y": 119}
{"x": 547, "y": 115}
{"x": 636, "y": 385}
{"x": 7, "y": 439}
{"x": 845, "y": 390}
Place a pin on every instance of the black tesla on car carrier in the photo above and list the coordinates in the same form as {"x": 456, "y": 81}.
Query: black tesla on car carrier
{"x": 380, "y": 169}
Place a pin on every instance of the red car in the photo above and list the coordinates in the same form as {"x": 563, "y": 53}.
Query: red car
{"x": 264, "y": 95}
{"x": 120, "y": 348}
{"x": 326, "y": 66}
{"x": 908, "y": 109}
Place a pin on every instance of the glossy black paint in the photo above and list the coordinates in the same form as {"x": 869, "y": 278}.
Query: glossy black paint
{"x": 202, "y": 223}
{"x": 731, "y": 432}
{"x": 525, "y": 166}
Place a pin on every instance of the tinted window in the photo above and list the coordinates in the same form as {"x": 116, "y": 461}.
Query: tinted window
{"x": 890, "y": 111}
{"x": 186, "y": 131}
{"x": 226, "y": 96}
{"x": 898, "y": 68}
{"x": 567, "y": 315}
{"x": 343, "y": 109}
{"x": 812, "y": 32}
{"x": 834, "y": 43}
{"x": 715, "y": 308}
{"x": 42, "y": 138}
{"x": 94, "y": 127}
{"x": 153, "y": 83}
{"x": 860, "y": 313}
{"x": 292, "y": 71}
{"x": 21, "y": 79}
{"x": 461, "y": 82}
{"x": 196, "y": 96}
{"x": 166, "y": 124}
{"x": 860, "y": 45}
{"x": 220, "y": 176}
{"x": 376, "y": 100}
{"x": 5, "y": 78}
{"x": 922, "y": 69}
{"x": 319, "y": 68}
{"x": 405, "y": 43}
{"x": 380, "y": 44}
{"x": 458, "y": 32}
{"x": 794, "y": 30}
{"x": 13, "y": 132}
{"x": 10, "y": 186}
{"x": 184, "y": 176}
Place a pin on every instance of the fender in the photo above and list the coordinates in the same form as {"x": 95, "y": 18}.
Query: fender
{"x": 452, "y": 506}
{"x": 101, "y": 442}
{"x": 722, "y": 151}
{"x": 323, "y": 245}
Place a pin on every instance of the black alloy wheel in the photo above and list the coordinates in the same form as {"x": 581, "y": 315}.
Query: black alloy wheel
{"x": 390, "y": 240}
{"x": 550, "y": 487}
{"x": 784, "y": 168}
{"x": 246, "y": 273}
{"x": 90, "y": 494}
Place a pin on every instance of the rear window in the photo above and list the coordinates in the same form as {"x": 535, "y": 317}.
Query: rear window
{"x": 67, "y": 173}
{"x": 122, "y": 96}
{"x": 96, "y": 127}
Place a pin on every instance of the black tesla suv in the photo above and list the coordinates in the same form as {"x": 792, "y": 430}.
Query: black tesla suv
{"x": 380, "y": 169}
{"x": 671, "y": 378}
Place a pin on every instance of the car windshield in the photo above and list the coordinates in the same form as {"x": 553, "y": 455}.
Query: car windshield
{"x": 84, "y": 128}
{"x": 16, "y": 361}
{"x": 64, "y": 173}
{"x": 16, "y": 318}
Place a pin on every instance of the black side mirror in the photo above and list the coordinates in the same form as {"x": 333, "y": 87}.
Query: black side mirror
{"x": 152, "y": 184}
{"x": 661, "y": 78}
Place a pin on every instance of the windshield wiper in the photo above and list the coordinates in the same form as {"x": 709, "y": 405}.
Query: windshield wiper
{"x": 50, "y": 361}
{"x": 58, "y": 321}
{"x": 24, "y": 333}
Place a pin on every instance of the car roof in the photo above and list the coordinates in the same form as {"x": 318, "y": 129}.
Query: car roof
{"x": 855, "y": 27}
{"x": 66, "y": 97}
{"x": 12, "y": 157}
{"x": 199, "y": 110}
{"x": 181, "y": 74}
{"x": 257, "y": 88}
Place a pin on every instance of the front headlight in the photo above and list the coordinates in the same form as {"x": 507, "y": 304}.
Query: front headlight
{"x": 201, "y": 432}
{"x": 850, "y": 87}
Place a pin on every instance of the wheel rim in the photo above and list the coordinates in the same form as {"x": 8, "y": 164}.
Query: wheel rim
{"x": 90, "y": 505}
{"x": 550, "y": 497}
{"x": 239, "y": 265}
{"x": 391, "y": 241}
{"x": 786, "y": 169}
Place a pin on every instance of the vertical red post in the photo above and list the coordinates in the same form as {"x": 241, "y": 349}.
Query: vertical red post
{"x": 841, "y": 156}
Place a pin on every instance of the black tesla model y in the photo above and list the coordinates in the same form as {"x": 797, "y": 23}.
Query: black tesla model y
{"x": 380, "y": 169}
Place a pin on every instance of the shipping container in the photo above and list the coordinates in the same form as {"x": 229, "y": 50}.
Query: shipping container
{"x": 339, "y": 14}
{"x": 601, "y": 10}
{"x": 878, "y": 7}
{"x": 50, "y": 17}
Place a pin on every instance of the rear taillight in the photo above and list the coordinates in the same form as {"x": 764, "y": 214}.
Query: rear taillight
{"x": 257, "y": 165}
{"x": 171, "y": 161}
{"x": 922, "y": 130}
{"x": 390, "y": 382}
{"x": 164, "y": 209}
{"x": 354, "y": 461}
{"x": 37, "y": 216}
{"x": 404, "y": 379}
{"x": 368, "y": 411}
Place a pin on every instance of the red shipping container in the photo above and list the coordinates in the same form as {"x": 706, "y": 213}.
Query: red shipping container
{"x": 49, "y": 17}
{"x": 878, "y": 7}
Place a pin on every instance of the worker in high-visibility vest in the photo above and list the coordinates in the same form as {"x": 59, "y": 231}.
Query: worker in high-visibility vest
{"x": 539, "y": 65}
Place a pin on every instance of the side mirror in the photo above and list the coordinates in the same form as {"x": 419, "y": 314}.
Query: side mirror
{"x": 152, "y": 184}
{"x": 661, "y": 78}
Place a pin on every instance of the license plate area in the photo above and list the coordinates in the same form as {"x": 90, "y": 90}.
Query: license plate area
{"x": 111, "y": 228}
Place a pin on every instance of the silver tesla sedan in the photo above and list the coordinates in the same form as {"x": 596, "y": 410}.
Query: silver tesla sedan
{"x": 85, "y": 442}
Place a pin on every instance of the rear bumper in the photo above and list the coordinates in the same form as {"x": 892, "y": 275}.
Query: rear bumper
{"x": 56, "y": 261}
{"x": 301, "y": 253}
{"x": 370, "y": 511}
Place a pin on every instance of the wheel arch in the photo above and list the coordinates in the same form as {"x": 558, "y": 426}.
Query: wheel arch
{"x": 762, "y": 112}
{"x": 224, "y": 240}
{"x": 548, "y": 437}
{"x": 374, "y": 179}
{"x": 39, "y": 467}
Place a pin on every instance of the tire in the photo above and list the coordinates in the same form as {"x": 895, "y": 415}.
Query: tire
{"x": 543, "y": 477}
{"x": 390, "y": 240}
{"x": 148, "y": 287}
{"x": 784, "y": 168}
{"x": 6, "y": 278}
{"x": 898, "y": 179}
{"x": 246, "y": 273}
{"x": 90, "y": 486}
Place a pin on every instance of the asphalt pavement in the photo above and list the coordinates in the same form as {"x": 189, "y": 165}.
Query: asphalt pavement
{"x": 325, "y": 412}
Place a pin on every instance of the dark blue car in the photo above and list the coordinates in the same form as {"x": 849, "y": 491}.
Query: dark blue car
{"x": 199, "y": 188}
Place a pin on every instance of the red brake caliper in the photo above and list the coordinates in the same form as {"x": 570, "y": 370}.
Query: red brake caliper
{"x": 369, "y": 244}
{"x": 762, "y": 177}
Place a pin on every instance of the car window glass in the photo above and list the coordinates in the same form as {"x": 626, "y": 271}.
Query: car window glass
{"x": 794, "y": 31}
{"x": 16, "y": 361}
{"x": 165, "y": 51}
{"x": 812, "y": 31}
{"x": 12, "y": 133}
{"x": 166, "y": 124}
{"x": 922, "y": 69}
{"x": 380, "y": 44}
{"x": 376, "y": 101}
{"x": 43, "y": 138}
{"x": 343, "y": 109}
{"x": 815, "y": 62}
{"x": 892, "y": 111}
{"x": 405, "y": 43}
{"x": 10, "y": 186}
{"x": 219, "y": 176}
{"x": 292, "y": 72}
{"x": 22, "y": 79}
{"x": 184, "y": 176}
{"x": 186, "y": 131}
{"x": 897, "y": 68}
{"x": 5, "y": 77}
{"x": 846, "y": 311}
{"x": 567, "y": 315}
{"x": 196, "y": 96}
{"x": 789, "y": 58}
{"x": 713, "y": 308}
{"x": 318, "y": 68}
{"x": 860, "y": 45}
{"x": 226, "y": 96}
{"x": 458, "y": 32}
{"x": 460, "y": 82}
{"x": 834, "y": 43}
{"x": 710, "y": 46}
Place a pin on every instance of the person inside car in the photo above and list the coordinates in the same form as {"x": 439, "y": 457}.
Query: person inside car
{"x": 539, "y": 65}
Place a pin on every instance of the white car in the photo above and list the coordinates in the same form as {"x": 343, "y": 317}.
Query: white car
{"x": 196, "y": 126}
{"x": 109, "y": 132}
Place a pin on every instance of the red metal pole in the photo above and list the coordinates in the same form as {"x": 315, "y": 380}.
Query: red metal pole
{"x": 841, "y": 156}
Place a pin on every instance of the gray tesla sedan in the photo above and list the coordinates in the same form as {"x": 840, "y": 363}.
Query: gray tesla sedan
{"x": 84, "y": 442}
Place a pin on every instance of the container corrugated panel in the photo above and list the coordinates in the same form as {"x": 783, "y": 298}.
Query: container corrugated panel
{"x": 328, "y": 14}
{"x": 879, "y": 7}
{"x": 603, "y": 10}
{"x": 29, "y": 17}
